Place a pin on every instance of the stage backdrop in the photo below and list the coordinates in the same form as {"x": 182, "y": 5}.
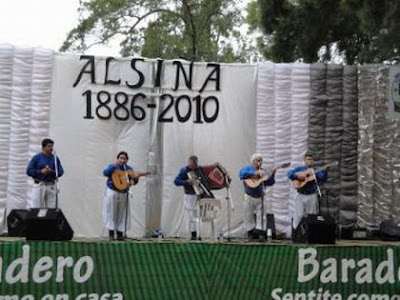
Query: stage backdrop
{"x": 162, "y": 112}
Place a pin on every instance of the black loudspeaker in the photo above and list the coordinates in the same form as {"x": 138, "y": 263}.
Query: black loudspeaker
{"x": 315, "y": 229}
{"x": 271, "y": 224}
{"x": 320, "y": 229}
{"x": 389, "y": 230}
{"x": 47, "y": 224}
{"x": 16, "y": 222}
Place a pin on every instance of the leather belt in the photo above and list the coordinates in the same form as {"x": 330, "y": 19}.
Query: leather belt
{"x": 37, "y": 181}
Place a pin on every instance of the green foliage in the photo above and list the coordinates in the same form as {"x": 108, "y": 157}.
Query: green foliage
{"x": 189, "y": 29}
{"x": 362, "y": 31}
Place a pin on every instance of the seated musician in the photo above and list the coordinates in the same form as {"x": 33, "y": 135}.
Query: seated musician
{"x": 116, "y": 204}
{"x": 253, "y": 196}
{"x": 190, "y": 196}
{"x": 306, "y": 201}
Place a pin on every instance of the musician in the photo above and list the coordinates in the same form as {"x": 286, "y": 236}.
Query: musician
{"x": 42, "y": 169}
{"x": 254, "y": 196}
{"x": 115, "y": 203}
{"x": 190, "y": 196}
{"x": 306, "y": 201}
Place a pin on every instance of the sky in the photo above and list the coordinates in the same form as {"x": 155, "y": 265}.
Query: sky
{"x": 41, "y": 23}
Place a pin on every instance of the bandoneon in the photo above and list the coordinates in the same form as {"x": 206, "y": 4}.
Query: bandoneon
{"x": 211, "y": 177}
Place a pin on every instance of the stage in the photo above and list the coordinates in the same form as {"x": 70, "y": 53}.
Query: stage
{"x": 207, "y": 269}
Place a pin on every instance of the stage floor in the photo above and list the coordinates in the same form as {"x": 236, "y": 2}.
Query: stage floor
{"x": 232, "y": 241}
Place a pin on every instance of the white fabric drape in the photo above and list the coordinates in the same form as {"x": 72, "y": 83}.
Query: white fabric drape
{"x": 282, "y": 130}
{"x": 25, "y": 87}
{"x": 6, "y": 66}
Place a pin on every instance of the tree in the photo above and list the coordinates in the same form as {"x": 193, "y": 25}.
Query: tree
{"x": 360, "y": 31}
{"x": 189, "y": 29}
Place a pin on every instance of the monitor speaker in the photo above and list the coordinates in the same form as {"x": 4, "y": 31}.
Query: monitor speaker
{"x": 16, "y": 222}
{"x": 315, "y": 229}
{"x": 321, "y": 229}
{"x": 47, "y": 224}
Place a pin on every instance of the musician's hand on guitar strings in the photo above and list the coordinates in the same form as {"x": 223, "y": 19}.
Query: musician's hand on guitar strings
{"x": 301, "y": 177}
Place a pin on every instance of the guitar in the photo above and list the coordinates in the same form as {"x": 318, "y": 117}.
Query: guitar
{"x": 261, "y": 177}
{"x": 309, "y": 176}
{"x": 121, "y": 178}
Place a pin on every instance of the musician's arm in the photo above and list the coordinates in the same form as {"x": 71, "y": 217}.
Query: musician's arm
{"x": 247, "y": 172}
{"x": 107, "y": 171}
{"x": 181, "y": 178}
{"x": 60, "y": 169}
{"x": 292, "y": 173}
{"x": 32, "y": 169}
{"x": 271, "y": 179}
{"x": 321, "y": 175}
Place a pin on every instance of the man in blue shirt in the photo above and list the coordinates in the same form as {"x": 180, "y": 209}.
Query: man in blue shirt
{"x": 306, "y": 201}
{"x": 257, "y": 178}
{"x": 42, "y": 169}
{"x": 116, "y": 213}
{"x": 190, "y": 197}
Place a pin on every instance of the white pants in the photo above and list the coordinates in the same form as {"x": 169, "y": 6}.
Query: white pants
{"x": 251, "y": 206}
{"x": 116, "y": 210}
{"x": 191, "y": 210}
{"x": 304, "y": 205}
{"x": 43, "y": 195}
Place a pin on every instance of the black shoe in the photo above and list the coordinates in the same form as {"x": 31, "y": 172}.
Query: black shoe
{"x": 120, "y": 236}
{"x": 194, "y": 236}
{"x": 111, "y": 235}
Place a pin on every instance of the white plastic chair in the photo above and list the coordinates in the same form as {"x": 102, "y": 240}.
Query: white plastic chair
{"x": 207, "y": 212}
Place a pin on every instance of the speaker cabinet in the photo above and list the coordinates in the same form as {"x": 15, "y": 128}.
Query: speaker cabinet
{"x": 47, "y": 224}
{"x": 321, "y": 229}
{"x": 315, "y": 229}
{"x": 16, "y": 222}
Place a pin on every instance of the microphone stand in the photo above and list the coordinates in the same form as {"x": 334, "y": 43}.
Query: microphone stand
{"x": 318, "y": 189}
{"x": 229, "y": 205}
{"x": 56, "y": 179}
{"x": 127, "y": 201}
{"x": 262, "y": 238}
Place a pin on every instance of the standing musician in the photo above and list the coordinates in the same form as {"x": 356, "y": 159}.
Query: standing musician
{"x": 44, "y": 168}
{"x": 254, "y": 194}
{"x": 304, "y": 178}
{"x": 115, "y": 204}
{"x": 190, "y": 196}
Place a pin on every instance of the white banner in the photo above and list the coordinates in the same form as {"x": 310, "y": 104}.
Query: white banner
{"x": 160, "y": 112}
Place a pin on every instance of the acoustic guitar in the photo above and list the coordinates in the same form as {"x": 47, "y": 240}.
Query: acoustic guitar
{"x": 261, "y": 177}
{"x": 122, "y": 178}
{"x": 309, "y": 175}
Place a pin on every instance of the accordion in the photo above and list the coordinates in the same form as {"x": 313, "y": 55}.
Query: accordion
{"x": 208, "y": 178}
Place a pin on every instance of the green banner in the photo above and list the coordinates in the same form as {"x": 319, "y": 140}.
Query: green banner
{"x": 132, "y": 270}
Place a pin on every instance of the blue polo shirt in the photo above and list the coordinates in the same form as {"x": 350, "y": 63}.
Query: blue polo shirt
{"x": 111, "y": 168}
{"x": 310, "y": 187}
{"x": 249, "y": 172}
{"x": 181, "y": 180}
{"x": 40, "y": 161}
